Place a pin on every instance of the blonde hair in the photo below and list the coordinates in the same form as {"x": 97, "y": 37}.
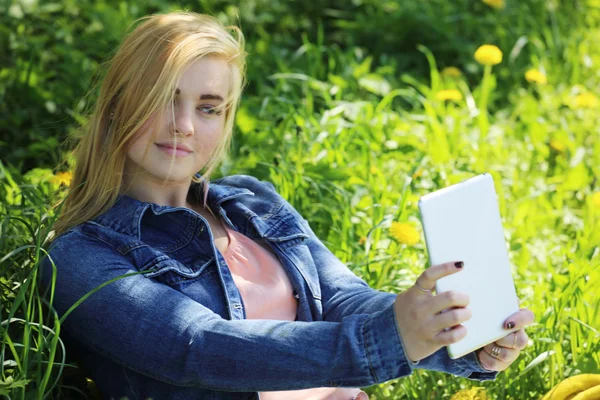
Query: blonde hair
{"x": 140, "y": 81}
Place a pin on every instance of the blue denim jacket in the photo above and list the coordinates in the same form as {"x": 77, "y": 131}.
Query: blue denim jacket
{"x": 179, "y": 331}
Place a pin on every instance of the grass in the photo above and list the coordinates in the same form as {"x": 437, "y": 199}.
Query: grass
{"x": 352, "y": 143}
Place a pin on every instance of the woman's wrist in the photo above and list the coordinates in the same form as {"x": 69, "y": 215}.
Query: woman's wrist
{"x": 411, "y": 362}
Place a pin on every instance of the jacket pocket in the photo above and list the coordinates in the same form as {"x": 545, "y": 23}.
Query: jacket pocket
{"x": 171, "y": 271}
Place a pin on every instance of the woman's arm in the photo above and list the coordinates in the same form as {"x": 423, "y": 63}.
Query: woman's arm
{"x": 343, "y": 294}
{"x": 156, "y": 330}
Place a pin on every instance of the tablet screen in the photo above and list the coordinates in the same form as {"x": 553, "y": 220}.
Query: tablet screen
{"x": 462, "y": 223}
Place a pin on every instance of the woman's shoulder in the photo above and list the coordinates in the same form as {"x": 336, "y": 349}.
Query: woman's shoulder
{"x": 74, "y": 249}
{"x": 87, "y": 240}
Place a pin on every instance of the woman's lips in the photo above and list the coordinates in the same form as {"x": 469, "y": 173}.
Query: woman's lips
{"x": 173, "y": 151}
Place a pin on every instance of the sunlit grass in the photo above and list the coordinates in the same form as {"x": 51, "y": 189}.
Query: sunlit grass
{"x": 353, "y": 146}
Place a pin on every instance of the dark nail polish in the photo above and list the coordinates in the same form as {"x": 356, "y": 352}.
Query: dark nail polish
{"x": 510, "y": 325}
{"x": 459, "y": 264}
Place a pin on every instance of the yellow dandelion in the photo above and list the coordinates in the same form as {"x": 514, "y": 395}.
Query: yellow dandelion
{"x": 374, "y": 170}
{"x": 362, "y": 240}
{"x": 557, "y": 145}
{"x": 418, "y": 173}
{"x": 497, "y": 4}
{"x": 405, "y": 233}
{"x": 586, "y": 100}
{"x": 596, "y": 199}
{"x": 535, "y": 76}
{"x": 488, "y": 54}
{"x": 62, "y": 178}
{"x": 449, "y": 94}
{"x": 451, "y": 72}
{"x": 475, "y": 393}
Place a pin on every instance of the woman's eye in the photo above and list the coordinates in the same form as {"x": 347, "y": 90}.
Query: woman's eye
{"x": 211, "y": 110}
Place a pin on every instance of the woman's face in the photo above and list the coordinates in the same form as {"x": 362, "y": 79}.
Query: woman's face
{"x": 162, "y": 152}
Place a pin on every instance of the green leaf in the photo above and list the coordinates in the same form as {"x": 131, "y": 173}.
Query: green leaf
{"x": 577, "y": 178}
{"x": 536, "y": 361}
{"x": 245, "y": 121}
{"x": 51, "y": 7}
{"x": 362, "y": 68}
{"x": 10, "y": 383}
{"x": 338, "y": 81}
{"x": 375, "y": 84}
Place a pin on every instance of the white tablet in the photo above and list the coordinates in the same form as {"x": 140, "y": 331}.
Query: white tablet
{"x": 462, "y": 222}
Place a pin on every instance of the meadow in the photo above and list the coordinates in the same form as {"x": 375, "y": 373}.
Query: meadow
{"x": 353, "y": 110}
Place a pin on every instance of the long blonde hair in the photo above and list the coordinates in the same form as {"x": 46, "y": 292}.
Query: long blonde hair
{"x": 141, "y": 80}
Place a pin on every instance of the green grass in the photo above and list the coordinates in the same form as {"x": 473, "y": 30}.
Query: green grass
{"x": 352, "y": 139}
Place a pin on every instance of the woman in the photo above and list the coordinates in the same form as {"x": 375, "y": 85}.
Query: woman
{"x": 238, "y": 298}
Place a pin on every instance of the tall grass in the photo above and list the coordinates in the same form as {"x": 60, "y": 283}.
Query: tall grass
{"x": 353, "y": 142}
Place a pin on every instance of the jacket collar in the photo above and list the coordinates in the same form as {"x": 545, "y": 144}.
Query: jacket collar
{"x": 126, "y": 214}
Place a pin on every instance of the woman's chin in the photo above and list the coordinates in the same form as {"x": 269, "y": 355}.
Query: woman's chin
{"x": 174, "y": 178}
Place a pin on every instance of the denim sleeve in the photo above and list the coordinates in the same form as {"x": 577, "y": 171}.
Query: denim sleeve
{"x": 467, "y": 366}
{"x": 158, "y": 331}
{"x": 344, "y": 294}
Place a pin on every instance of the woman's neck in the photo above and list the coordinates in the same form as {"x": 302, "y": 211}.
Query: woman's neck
{"x": 164, "y": 193}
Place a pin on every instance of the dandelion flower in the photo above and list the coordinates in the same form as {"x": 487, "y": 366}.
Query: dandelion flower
{"x": 418, "y": 173}
{"x": 596, "y": 199}
{"x": 374, "y": 170}
{"x": 586, "y": 100}
{"x": 362, "y": 240}
{"x": 405, "y": 233}
{"x": 62, "y": 178}
{"x": 475, "y": 393}
{"x": 497, "y": 4}
{"x": 488, "y": 54}
{"x": 450, "y": 94}
{"x": 451, "y": 72}
{"x": 535, "y": 76}
{"x": 557, "y": 145}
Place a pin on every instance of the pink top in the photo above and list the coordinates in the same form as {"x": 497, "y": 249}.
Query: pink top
{"x": 268, "y": 294}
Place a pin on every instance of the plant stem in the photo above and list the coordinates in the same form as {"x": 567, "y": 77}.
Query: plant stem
{"x": 483, "y": 100}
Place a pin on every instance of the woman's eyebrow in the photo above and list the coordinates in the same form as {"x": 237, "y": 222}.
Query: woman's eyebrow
{"x": 205, "y": 96}
{"x": 211, "y": 97}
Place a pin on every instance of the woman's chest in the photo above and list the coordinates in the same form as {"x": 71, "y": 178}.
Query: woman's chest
{"x": 216, "y": 225}
{"x": 195, "y": 264}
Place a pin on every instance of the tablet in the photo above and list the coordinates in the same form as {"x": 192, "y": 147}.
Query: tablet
{"x": 462, "y": 222}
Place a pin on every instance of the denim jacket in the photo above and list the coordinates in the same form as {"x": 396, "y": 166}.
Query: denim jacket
{"x": 179, "y": 331}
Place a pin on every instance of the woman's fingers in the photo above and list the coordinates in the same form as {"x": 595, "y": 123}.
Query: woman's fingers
{"x": 448, "y": 307}
{"x": 491, "y": 363}
{"x": 497, "y": 358}
{"x": 416, "y": 310}
{"x": 520, "y": 319}
{"x": 499, "y": 355}
{"x": 453, "y": 335}
{"x": 428, "y": 278}
{"x": 451, "y": 318}
{"x": 516, "y": 340}
{"x": 362, "y": 396}
{"x": 448, "y": 300}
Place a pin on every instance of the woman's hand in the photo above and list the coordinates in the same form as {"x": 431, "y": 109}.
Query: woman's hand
{"x": 423, "y": 326}
{"x": 499, "y": 355}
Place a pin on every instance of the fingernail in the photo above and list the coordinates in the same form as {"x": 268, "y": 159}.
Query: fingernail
{"x": 510, "y": 325}
{"x": 459, "y": 264}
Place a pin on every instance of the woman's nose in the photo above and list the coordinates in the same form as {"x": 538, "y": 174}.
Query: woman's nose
{"x": 183, "y": 122}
